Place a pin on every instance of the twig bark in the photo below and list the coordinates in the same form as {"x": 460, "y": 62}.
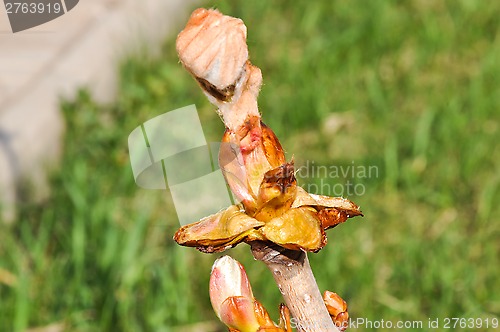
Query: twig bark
{"x": 293, "y": 274}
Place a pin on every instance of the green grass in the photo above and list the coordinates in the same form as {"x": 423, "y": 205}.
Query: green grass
{"x": 411, "y": 88}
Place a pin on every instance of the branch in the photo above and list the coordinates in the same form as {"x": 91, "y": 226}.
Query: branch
{"x": 293, "y": 274}
{"x": 213, "y": 48}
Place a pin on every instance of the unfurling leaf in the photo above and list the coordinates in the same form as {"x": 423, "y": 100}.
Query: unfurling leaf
{"x": 281, "y": 212}
{"x": 296, "y": 229}
{"x": 219, "y": 231}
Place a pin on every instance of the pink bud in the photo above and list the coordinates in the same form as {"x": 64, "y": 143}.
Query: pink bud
{"x": 213, "y": 47}
{"x": 231, "y": 295}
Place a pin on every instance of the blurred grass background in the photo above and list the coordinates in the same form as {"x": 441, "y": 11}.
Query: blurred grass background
{"x": 411, "y": 88}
